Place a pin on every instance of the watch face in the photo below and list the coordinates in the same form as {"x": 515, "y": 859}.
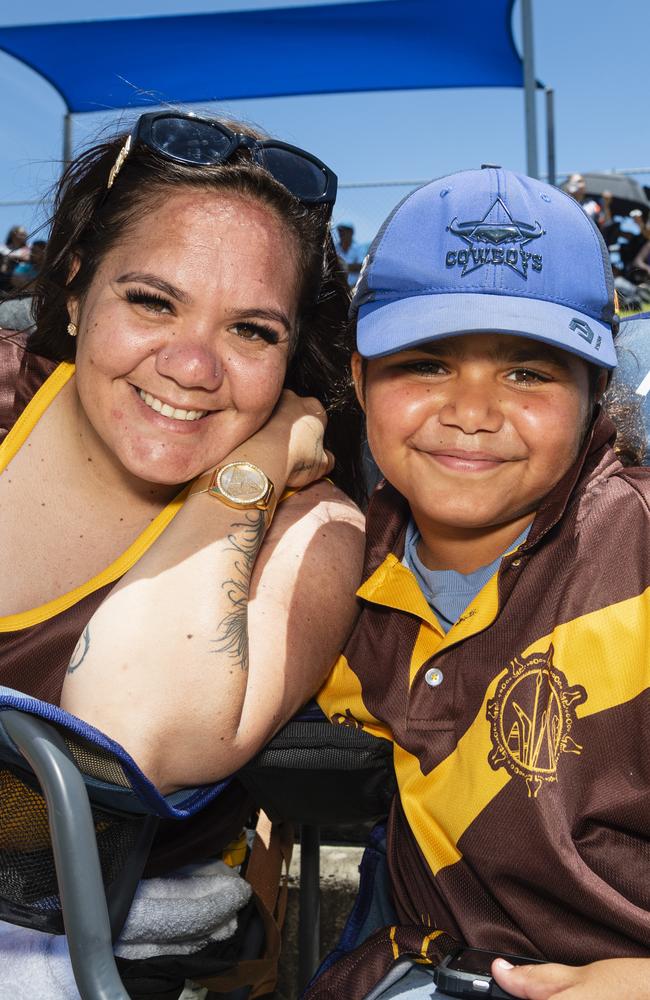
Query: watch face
{"x": 242, "y": 483}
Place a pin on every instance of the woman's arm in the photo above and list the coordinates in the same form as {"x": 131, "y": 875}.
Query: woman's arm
{"x": 221, "y": 632}
{"x": 611, "y": 979}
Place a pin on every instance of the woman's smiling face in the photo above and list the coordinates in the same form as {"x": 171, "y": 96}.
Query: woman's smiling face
{"x": 185, "y": 332}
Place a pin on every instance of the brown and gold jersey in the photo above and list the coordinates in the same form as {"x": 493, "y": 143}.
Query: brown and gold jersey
{"x": 521, "y": 737}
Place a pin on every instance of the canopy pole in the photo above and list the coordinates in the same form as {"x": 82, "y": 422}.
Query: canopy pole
{"x": 529, "y": 88}
{"x": 550, "y": 135}
{"x": 67, "y": 139}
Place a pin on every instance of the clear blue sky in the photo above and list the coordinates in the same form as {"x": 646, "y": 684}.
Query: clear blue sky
{"x": 593, "y": 53}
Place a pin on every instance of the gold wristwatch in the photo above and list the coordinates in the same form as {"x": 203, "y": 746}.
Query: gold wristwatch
{"x": 240, "y": 485}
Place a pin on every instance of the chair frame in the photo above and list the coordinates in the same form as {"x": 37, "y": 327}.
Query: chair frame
{"x": 81, "y": 889}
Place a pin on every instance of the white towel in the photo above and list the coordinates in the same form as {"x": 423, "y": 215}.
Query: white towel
{"x": 177, "y": 915}
{"x": 34, "y": 964}
{"x": 182, "y": 913}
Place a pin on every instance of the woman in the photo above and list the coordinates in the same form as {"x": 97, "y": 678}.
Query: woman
{"x": 191, "y": 276}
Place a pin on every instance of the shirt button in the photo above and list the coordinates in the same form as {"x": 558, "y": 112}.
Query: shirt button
{"x": 434, "y": 677}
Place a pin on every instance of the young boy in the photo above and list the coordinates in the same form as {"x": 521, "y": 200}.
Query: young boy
{"x": 504, "y": 634}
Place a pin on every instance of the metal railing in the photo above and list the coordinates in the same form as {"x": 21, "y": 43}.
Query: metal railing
{"x": 349, "y": 185}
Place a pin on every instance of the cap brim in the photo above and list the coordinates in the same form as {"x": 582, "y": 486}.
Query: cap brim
{"x": 388, "y": 327}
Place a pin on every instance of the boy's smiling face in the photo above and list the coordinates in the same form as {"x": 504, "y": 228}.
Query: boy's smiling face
{"x": 475, "y": 430}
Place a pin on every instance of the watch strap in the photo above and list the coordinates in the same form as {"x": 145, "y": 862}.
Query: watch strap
{"x": 203, "y": 483}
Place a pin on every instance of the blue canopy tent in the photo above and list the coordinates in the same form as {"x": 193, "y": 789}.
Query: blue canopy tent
{"x": 184, "y": 58}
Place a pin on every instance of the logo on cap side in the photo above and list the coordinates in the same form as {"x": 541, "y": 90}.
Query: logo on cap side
{"x": 584, "y": 330}
{"x": 503, "y": 242}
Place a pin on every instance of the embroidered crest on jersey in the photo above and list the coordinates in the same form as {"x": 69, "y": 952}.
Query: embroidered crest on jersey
{"x": 531, "y": 718}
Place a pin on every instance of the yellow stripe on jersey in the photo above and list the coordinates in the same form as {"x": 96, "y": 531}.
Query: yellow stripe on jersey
{"x": 393, "y": 932}
{"x": 341, "y": 700}
{"x": 441, "y": 805}
{"x": 605, "y": 651}
{"x": 424, "y": 948}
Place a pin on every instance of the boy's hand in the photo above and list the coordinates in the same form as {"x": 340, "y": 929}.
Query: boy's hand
{"x": 308, "y": 458}
{"x": 294, "y": 435}
{"x": 611, "y": 979}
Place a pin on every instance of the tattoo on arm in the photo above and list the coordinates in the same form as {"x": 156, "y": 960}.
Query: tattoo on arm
{"x": 232, "y": 632}
{"x": 80, "y": 650}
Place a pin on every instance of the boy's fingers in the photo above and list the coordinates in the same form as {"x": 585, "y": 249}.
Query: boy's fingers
{"x": 533, "y": 982}
{"x": 603, "y": 980}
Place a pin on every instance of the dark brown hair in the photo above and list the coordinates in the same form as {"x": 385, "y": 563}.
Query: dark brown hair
{"x": 624, "y": 407}
{"x": 88, "y": 220}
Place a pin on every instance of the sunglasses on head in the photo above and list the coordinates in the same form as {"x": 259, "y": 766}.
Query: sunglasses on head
{"x": 187, "y": 139}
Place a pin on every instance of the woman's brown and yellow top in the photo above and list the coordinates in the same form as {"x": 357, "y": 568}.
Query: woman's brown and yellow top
{"x": 36, "y": 645}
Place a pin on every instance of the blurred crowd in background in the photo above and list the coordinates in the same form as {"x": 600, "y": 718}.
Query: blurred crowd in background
{"x": 20, "y": 264}
{"x": 622, "y": 213}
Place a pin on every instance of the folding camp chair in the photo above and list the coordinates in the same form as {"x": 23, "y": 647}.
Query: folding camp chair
{"x": 77, "y": 819}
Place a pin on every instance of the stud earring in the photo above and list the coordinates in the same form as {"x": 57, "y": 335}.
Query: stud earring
{"x": 72, "y": 329}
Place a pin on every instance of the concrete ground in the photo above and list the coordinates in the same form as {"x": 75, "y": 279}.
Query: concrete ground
{"x": 339, "y": 880}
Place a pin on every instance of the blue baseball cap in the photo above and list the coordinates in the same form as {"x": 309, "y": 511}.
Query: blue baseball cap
{"x": 487, "y": 251}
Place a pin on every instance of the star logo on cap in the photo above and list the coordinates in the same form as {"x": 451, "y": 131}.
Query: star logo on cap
{"x": 492, "y": 233}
